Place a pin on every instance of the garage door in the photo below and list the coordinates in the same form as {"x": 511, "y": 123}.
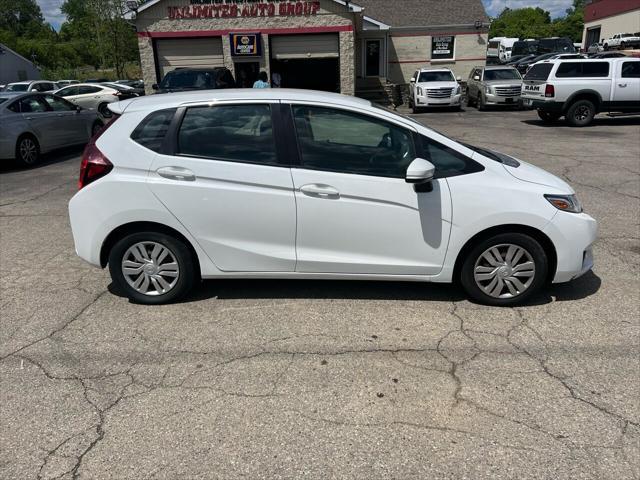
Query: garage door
{"x": 305, "y": 46}
{"x": 189, "y": 52}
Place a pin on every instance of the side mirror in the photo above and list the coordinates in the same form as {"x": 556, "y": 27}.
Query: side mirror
{"x": 476, "y": 78}
{"x": 155, "y": 86}
{"x": 78, "y": 108}
{"x": 420, "y": 171}
{"x": 458, "y": 79}
{"x": 413, "y": 80}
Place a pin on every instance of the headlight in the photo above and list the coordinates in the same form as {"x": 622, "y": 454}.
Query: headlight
{"x": 420, "y": 91}
{"x": 457, "y": 90}
{"x": 487, "y": 90}
{"x": 566, "y": 203}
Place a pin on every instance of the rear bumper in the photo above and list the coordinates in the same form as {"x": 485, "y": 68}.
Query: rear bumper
{"x": 573, "y": 236}
{"x": 544, "y": 105}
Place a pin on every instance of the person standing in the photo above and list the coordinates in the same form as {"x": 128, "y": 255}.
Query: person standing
{"x": 276, "y": 80}
{"x": 263, "y": 81}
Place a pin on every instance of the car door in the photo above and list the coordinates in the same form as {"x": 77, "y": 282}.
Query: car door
{"x": 626, "y": 89}
{"x": 88, "y": 96}
{"x": 356, "y": 212}
{"x": 71, "y": 126}
{"x": 40, "y": 120}
{"x": 224, "y": 182}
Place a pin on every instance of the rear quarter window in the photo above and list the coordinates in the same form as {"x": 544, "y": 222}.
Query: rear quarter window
{"x": 151, "y": 131}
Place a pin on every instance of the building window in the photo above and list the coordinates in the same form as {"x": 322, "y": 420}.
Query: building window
{"x": 442, "y": 47}
{"x": 373, "y": 57}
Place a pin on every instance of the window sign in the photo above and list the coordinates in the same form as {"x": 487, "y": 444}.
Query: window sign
{"x": 442, "y": 47}
{"x": 245, "y": 44}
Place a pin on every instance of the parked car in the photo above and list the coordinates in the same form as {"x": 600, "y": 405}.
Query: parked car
{"x": 186, "y": 79}
{"x": 580, "y": 89}
{"x": 493, "y": 85}
{"x": 125, "y": 90}
{"x": 91, "y": 95}
{"x": 31, "y": 86}
{"x": 622, "y": 41}
{"x": 64, "y": 83}
{"x": 609, "y": 55}
{"x": 132, "y": 83}
{"x": 543, "y": 45}
{"x": 220, "y": 185}
{"x": 552, "y": 56}
{"x": 515, "y": 59}
{"x": 35, "y": 123}
{"x": 96, "y": 80}
{"x": 434, "y": 87}
{"x": 595, "y": 48}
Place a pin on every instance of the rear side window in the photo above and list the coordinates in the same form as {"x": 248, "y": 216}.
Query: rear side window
{"x": 631, "y": 70}
{"x": 539, "y": 72}
{"x": 582, "y": 69}
{"x": 447, "y": 161}
{"x": 152, "y": 130}
{"x": 237, "y": 133}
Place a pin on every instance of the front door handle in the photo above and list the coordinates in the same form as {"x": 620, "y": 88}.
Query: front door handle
{"x": 177, "y": 173}
{"x": 320, "y": 190}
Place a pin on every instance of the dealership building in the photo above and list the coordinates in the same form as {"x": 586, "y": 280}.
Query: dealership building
{"x": 605, "y": 18}
{"x": 332, "y": 45}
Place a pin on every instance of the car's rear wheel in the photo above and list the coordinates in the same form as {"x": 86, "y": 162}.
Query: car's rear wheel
{"x": 103, "y": 108}
{"x": 581, "y": 113}
{"x": 548, "y": 117}
{"x": 27, "y": 150}
{"x": 152, "y": 268}
{"x": 504, "y": 270}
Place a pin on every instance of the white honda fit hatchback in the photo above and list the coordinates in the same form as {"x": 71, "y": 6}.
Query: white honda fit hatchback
{"x": 300, "y": 184}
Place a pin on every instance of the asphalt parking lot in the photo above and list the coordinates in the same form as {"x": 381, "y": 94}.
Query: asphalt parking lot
{"x": 283, "y": 379}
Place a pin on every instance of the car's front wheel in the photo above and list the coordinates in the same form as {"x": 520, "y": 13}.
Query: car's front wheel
{"x": 152, "y": 268}
{"x": 504, "y": 270}
{"x": 27, "y": 150}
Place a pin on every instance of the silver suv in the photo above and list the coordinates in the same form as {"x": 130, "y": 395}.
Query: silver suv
{"x": 493, "y": 85}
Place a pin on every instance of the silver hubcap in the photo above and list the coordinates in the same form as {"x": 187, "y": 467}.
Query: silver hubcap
{"x": 150, "y": 268}
{"x": 28, "y": 150}
{"x": 582, "y": 113}
{"x": 504, "y": 271}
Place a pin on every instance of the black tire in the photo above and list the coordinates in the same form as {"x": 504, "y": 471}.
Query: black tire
{"x": 480, "y": 103}
{"x": 183, "y": 257}
{"x": 581, "y": 113}
{"x": 548, "y": 117}
{"x": 95, "y": 128}
{"x": 27, "y": 150}
{"x": 103, "y": 109}
{"x": 529, "y": 244}
{"x": 470, "y": 102}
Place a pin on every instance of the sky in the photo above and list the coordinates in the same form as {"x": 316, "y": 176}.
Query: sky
{"x": 52, "y": 14}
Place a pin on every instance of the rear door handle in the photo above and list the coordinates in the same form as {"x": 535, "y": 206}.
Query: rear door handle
{"x": 177, "y": 173}
{"x": 622, "y": 85}
{"x": 320, "y": 190}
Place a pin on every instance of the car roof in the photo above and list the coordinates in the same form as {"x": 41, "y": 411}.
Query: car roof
{"x": 435, "y": 69}
{"x": 496, "y": 67}
{"x": 560, "y": 60}
{"x": 172, "y": 100}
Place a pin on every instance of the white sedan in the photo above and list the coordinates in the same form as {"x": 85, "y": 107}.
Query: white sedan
{"x": 279, "y": 183}
{"x": 91, "y": 95}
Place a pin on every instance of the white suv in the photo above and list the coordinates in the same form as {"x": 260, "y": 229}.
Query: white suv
{"x": 279, "y": 183}
{"x": 434, "y": 87}
{"x": 580, "y": 89}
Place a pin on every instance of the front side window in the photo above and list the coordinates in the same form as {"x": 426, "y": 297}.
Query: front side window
{"x": 447, "y": 161}
{"x": 58, "y": 104}
{"x": 583, "y": 69}
{"x": 240, "y": 133}
{"x": 631, "y": 70}
{"x": 346, "y": 142}
{"x": 504, "y": 74}
{"x": 152, "y": 130}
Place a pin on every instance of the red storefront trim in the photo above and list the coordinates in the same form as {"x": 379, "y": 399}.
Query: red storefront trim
{"x": 608, "y": 8}
{"x": 439, "y": 61}
{"x": 226, "y": 31}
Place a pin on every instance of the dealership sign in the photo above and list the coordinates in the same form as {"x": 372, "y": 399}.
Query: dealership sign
{"x": 245, "y": 44}
{"x": 442, "y": 46}
{"x": 238, "y": 8}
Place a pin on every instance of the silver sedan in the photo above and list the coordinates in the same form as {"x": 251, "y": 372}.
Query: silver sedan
{"x": 35, "y": 123}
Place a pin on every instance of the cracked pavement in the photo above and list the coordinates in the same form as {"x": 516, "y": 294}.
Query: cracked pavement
{"x": 284, "y": 379}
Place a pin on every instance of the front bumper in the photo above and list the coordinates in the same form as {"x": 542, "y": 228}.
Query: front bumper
{"x": 573, "y": 235}
{"x": 452, "y": 101}
{"x": 492, "y": 99}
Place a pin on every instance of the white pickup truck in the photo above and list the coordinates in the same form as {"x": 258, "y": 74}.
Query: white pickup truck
{"x": 580, "y": 89}
{"x": 622, "y": 41}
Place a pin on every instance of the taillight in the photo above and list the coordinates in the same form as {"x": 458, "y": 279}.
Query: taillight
{"x": 94, "y": 163}
{"x": 549, "y": 91}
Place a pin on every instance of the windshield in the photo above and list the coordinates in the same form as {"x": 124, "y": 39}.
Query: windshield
{"x": 188, "y": 79}
{"x": 17, "y": 87}
{"x": 496, "y": 156}
{"x": 624, "y": 35}
{"x": 540, "y": 71}
{"x": 504, "y": 74}
{"x": 436, "y": 77}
